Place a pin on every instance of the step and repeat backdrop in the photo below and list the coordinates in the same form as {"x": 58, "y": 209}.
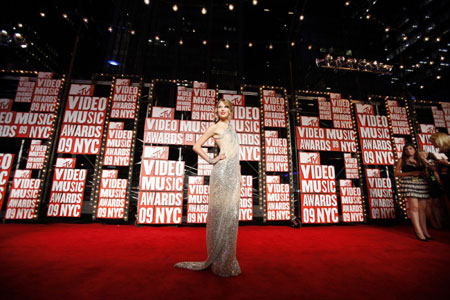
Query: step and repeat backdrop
{"x": 117, "y": 148}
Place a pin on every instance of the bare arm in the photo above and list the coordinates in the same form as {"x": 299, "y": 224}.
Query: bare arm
{"x": 398, "y": 171}
{"x": 198, "y": 145}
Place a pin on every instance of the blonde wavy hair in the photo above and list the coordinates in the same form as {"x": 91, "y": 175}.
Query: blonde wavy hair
{"x": 227, "y": 104}
{"x": 441, "y": 140}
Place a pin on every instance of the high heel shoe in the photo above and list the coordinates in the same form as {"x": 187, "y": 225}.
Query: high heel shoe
{"x": 429, "y": 238}
{"x": 422, "y": 240}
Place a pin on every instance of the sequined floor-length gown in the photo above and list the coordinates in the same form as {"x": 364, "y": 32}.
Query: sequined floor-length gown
{"x": 223, "y": 212}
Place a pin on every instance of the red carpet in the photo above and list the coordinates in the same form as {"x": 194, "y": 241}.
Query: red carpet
{"x": 95, "y": 261}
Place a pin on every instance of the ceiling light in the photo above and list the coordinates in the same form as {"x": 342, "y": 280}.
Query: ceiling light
{"x": 421, "y": 87}
{"x": 110, "y": 29}
{"x": 133, "y": 32}
{"x": 85, "y": 20}
{"x": 227, "y": 46}
{"x": 347, "y": 3}
{"x": 230, "y": 6}
{"x": 309, "y": 47}
{"x": 368, "y": 17}
{"x": 426, "y": 39}
{"x": 175, "y": 7}
{"x": 113, "y": 63}
{"x": 270, "y": 46}
{"x": 292, "y": 44}
{"x": 387, "y": 29}
{"x": 255, "y": 2}
{"x": 438, "y": 39}
{"x": 204, "y": 42}
{"x": 180, "y": 42}
{"x": 20, "y": 25}
{"x": 147, "y": 2}
{"x": 405, "y": 38}
{"x": 42, "y": 14}
{"x": 438, "y": 77}
{"x": 302, "y": 17}
{"x": 157, "y": 37}
{"x": 204, "y": 11}
{"x": 250, "y": 44}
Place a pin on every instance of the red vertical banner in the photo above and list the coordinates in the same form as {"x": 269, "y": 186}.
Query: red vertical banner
{"x": 198, "y": 199}
{"x": 124, "y": 100}
{"x": 399, "y": 143}
{"x": 6, "y": 162}
{"x": 45, "y": 95}
{"x": 351, "y": 166}
{"x": 318, "y": 190}
{"x": 66, "y": 197}
{"x": 381, "y": 199}
{"x": 351, "y": 202}
{"x": 375, "y": 137}
{"x": 278, "y": 199}
{"x": 36, "y": 155}
{"x": 203, "y": 102}
{"x": 342, "y": 115}
{"x": 118, "y": 146}
{"x": 246, "y": 200}
{"x": 204, "y": 168}
{"x": 246, "y": 122}
{"x": 324, "y": 109}
{"x": 161, "y": 192}
{"x": 276, "y": 155}
{"x": 274, "y": 109}
{"x": 25, "y": 90}
{"x": 446, "y": 111}
{"x": 84, "y": 117}
{"x": 399, "y": 118}
{"x": 184, "y": 99}
{"x": 23, "y": 196}
{"x": 426, "y": 131}
{"x": 438, "y": 116}
{"x": 112, "y": 195}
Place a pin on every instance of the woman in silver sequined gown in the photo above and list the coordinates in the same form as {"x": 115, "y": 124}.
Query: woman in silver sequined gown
{"x": 223, "y": 208}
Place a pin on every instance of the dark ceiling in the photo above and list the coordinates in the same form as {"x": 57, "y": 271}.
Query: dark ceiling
{"x": 154, "y": 41}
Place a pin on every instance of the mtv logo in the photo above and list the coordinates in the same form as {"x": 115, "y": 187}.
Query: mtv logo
{"x": 335, "y": 96}
{"x": 345, "y": 183}
{"x": 235, "y": 99}
{"x": 271, "y": 134}
{"x": 163, "y": 112}
{"x": 310, "y": 158}
{"x": 392, "y": 103}
{"x": 26, "y": 174}
{"x": 68, "y": 163}
{"x": 5, "y": 104}
{"x": 154, "y": 152}
{"x": 427, "y": 128}
{"x": 364, "y": 109}
{"x": 196, "y": 180}
{"x": 123, "y": 81}
{"x": 199, "y": 85}
{"x": 45, "y": 75}
{"x": 269, "y": 93}
{"x": 110, "y": 174}
{"x": 309, "y": 121}
{"x": 373, "y": 173}
{"x": 272, "y": 179}
{"x": 81, "y": 89}
{"x": 116, "y": 125}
